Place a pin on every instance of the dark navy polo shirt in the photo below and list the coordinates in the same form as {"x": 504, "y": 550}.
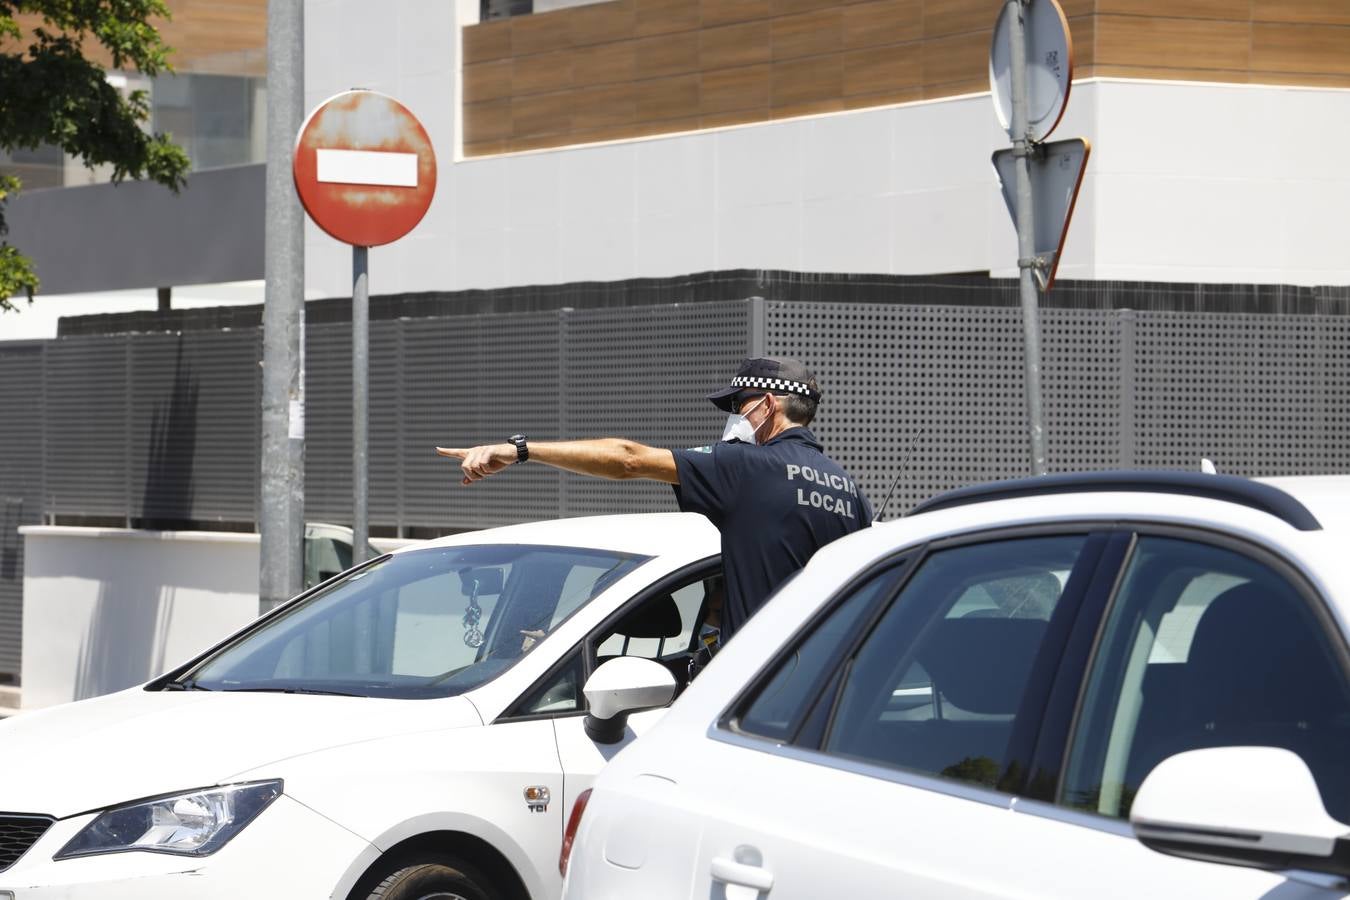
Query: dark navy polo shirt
{"x": 775, "y": 504}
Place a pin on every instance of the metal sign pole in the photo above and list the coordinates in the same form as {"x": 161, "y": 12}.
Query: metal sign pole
{"x": 1026, "y": 235}
{"x": 360, "y": 401}
{"x": 281, "y": 495}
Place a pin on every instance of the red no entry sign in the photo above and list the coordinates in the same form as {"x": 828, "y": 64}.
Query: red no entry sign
{"x": 364, "y": 168}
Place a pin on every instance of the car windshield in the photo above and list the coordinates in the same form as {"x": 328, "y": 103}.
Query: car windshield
{"x": 425, "y": 623}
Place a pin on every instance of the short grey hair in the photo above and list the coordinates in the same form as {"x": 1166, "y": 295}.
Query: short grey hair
{"x": 799, "y": 409}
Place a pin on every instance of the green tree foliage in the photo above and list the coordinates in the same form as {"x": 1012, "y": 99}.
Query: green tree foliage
{"x": 50, "y": 93}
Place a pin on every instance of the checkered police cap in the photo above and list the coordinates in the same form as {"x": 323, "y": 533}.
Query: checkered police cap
{"x": 764, "y": 374}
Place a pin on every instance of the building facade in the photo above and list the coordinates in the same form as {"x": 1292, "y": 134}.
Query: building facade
{"x": 631, "y": 188}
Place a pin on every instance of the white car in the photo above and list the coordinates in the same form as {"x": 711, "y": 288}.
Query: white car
{"x": 1112, "y": 685}
{"x": 412, "y": 728}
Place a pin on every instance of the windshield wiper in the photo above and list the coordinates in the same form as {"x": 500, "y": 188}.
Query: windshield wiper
{"x": 289, "y": 690}
{"x": 185, "y": 685}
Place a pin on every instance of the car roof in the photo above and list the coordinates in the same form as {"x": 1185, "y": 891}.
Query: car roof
{"x": 646, "y": 534}
{"x": 1326, "y": 496}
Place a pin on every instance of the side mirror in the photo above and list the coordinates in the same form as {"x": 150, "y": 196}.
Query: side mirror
{"x": 1244, "y": 806}
{"x": 621, "y": 686}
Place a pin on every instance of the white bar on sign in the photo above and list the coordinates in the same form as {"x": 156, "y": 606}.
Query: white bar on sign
{"x": 375, "y": 167}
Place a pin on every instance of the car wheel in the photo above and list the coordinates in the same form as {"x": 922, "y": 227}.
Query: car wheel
{"x": 432, "y": 881}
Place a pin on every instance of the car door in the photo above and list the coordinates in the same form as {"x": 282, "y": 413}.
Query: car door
{"x": 930, "y": 761}
{"x": 1207, "y": 642}
{"x": 665, "y": 623}
{"x": 882, "y": 754}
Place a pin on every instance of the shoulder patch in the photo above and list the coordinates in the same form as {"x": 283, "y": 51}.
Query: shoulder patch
{"x": 706, "y": 448}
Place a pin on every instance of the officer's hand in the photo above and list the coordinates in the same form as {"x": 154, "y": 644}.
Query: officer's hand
{"x": 480, "y": 462}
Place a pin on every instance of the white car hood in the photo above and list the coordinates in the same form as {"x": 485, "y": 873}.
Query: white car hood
{"x": 84, "y": 756}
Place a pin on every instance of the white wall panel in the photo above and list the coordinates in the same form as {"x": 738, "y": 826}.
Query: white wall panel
{"x": 107, "y": 609}
{"x": 944, "y": 230}
{"x": 480, "y": 259}
{"x": 422, "y": 27}
{"x": 677, "y": 177}
{"x": 597, "y": 250}
{"x": 759, "y": 237}
{"x": 847, "y": 157}
{"x": 675, "y": 245}
{"x": 482, "y": 192}
{"x": 760, "y": 165}
{"x": 532, "y": 254}
{"x": 533, "y": 190}
{"x": 598, "y": 184}
{"x": 847, "y": 234}
{"x": 943, "y": 144}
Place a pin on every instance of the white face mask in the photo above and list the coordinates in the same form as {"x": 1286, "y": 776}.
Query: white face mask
{"x": 738, "y": 427}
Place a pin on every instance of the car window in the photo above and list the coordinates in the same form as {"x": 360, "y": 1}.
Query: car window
{"x": 937, "y": 685}
{"x": 1205, "y": 646}
{"x": 424, "y": 623}
{"x": 559, "y": 692}
{"x": 662, "y": 627}
{"x": 664, "y": 624}
{"x": 777, "y": 709}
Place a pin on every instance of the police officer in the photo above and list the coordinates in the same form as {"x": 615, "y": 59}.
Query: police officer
{"x": 767, "y": 485}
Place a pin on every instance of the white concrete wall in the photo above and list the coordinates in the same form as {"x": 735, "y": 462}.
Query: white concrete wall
{"x": 108, "y": 608}
{"x": 1188, "y": 182}
{"x": 104, "y": 609}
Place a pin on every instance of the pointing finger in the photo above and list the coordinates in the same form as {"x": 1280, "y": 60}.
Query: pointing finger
{"x": 454, "y": 452}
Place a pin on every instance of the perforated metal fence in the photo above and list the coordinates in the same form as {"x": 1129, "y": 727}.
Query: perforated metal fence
{"x": 161, "y": 429}
{"x": 21, "y": 475}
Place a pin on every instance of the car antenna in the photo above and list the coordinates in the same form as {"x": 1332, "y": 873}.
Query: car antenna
{"x": 914, "y": 442}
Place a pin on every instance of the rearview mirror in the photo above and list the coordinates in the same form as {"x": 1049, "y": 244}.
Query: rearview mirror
{"x": 1245, "y": 806}
{"x": 621, "y": 686}
{"x": 489, "y": 580}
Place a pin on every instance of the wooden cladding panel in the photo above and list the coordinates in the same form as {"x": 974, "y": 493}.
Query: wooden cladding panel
{"x": 605, "y": 64}
{"x": 670, "y": 54}
{"x": 732, "y": 90}
{"x": 1302, "y": 12}
{"x": 629, "y": 68}
{"x": 731, "y": 46}
{"x": 666, "y": 16}
{"x": 808, "y": 34}
{"x": 215, "y": 37}
{"x": 1301, "y": 48}
{"x": 1228, "y": 10}
{"x": 1179, "y": 43}
{"x": 728, "y": 12}
{"x": 882, "y": 23}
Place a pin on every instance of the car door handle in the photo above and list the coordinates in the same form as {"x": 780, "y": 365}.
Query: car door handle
{"x": 732, "y": 872}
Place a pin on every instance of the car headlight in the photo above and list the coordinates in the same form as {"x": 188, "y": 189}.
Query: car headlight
{"x": 194, "y": 823}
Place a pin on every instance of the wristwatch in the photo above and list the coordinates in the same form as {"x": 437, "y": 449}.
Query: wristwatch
{"x": 522, "y": 447}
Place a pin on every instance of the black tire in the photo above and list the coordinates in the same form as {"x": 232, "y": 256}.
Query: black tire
{"x": 431, "y": 881}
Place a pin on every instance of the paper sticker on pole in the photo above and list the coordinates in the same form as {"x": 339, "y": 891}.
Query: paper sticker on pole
{"x": 1049, "y": 66}
{"x": 364, "y": 168}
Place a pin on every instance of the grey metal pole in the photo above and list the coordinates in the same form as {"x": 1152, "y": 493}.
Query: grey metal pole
{"x": 281, "y": 501}
{"x": 360, "y": 401}
{"x": 1026, "y": 237}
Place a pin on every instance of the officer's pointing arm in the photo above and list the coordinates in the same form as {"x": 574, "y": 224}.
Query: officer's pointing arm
{"x": 602, "y": 457}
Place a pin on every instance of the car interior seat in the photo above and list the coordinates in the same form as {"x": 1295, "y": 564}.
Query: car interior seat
{"x": 979, "y": 667}
{"x": 656, "y": 618}
{"x": 1255, "y": 675}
